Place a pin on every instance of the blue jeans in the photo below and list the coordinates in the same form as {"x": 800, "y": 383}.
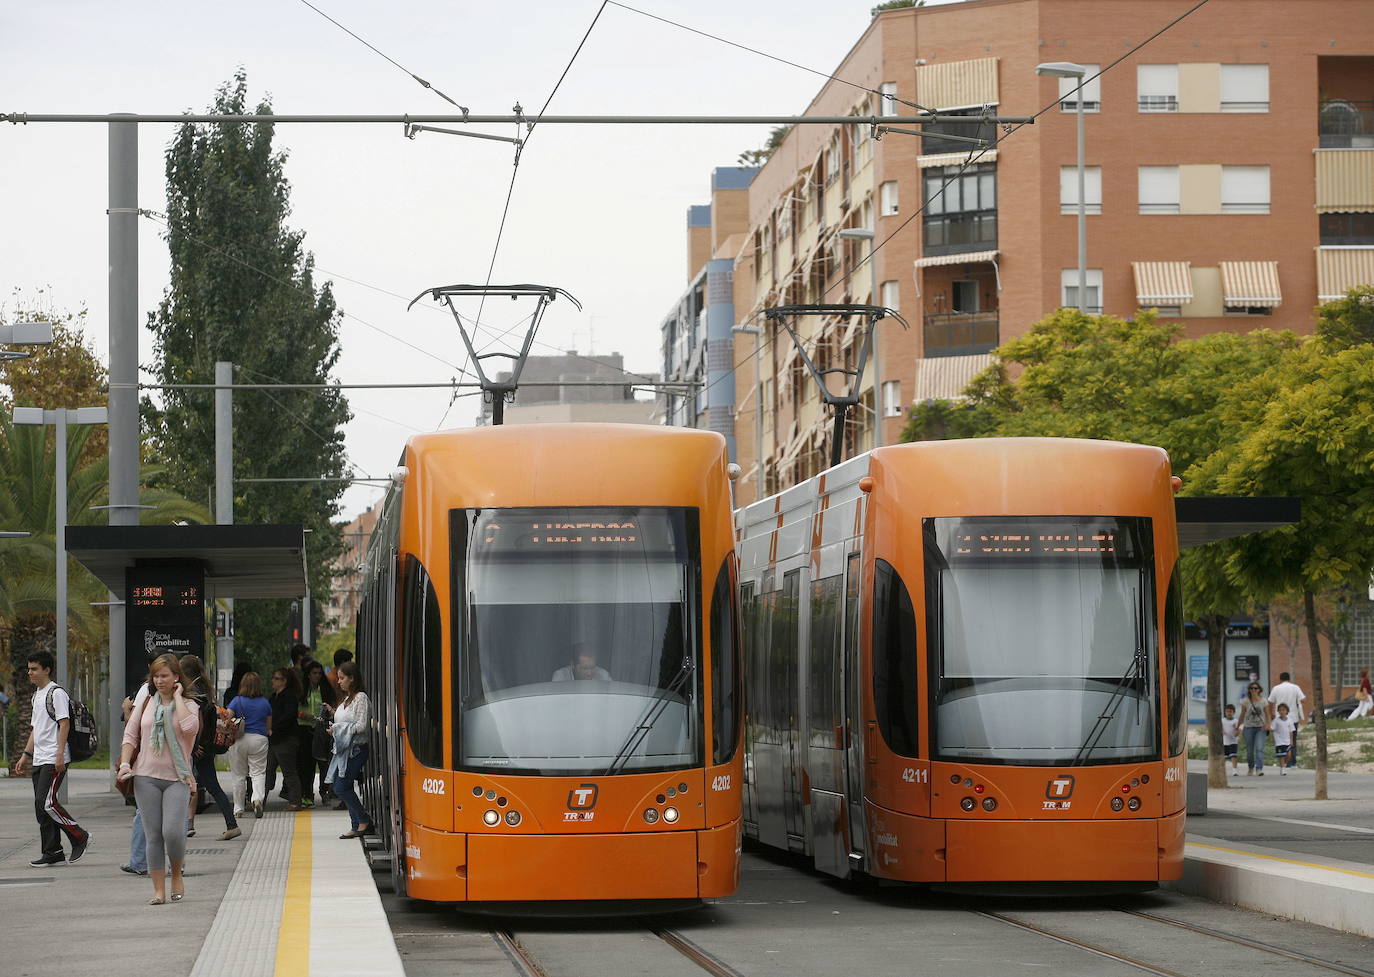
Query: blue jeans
{"x": 344, "y": 789}
{"x": 138, "y": 846}
{"x": 1254, "y": 747}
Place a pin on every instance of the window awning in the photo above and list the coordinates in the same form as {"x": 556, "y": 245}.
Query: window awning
{"x": 945, "y": 377}
{"x": 932, "y": 261}
{"x": 1341, "y": 269}
{"x": 1251, "y": 283}
{"x": 953, "y": 159}
{"x": 1162, "y": 283}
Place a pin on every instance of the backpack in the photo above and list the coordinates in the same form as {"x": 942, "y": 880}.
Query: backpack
{"x": 227, "y": 729}
{"x": 84, "y": 738}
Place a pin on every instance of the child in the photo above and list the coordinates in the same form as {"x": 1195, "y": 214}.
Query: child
{"x": 1282, "y": 728}
{"x": 1230, "y": 740}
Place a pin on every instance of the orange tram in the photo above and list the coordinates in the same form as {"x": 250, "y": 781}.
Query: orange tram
{"x": 965, "y": 666}
{"x": 549, "y": 632}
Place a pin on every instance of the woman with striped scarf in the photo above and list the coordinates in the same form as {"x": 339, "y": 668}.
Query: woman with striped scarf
{"x": 162, "y": 732}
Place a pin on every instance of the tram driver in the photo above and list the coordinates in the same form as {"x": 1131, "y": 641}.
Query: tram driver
{"x": 583, "y": 667}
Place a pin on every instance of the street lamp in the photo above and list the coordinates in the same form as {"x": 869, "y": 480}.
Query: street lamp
{"x": 869, "y": 234}
{"x": 61, "y": 418}
{"x": 1068, "y": 69}
{"x": 23, "y": 334}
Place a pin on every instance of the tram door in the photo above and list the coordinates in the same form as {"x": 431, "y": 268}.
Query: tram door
{"x": 853, "y": 705}
{"x": 789, "y": 707}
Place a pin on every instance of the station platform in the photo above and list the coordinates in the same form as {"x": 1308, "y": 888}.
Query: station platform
{"x": 288, "y": 897}
{"x": 1265, "y": 844}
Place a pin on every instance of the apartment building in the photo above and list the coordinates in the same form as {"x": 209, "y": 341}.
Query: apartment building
{"x": 1229, "y": 183}
{"x": 346, "y": 590}
{"x": 573, "y": 386}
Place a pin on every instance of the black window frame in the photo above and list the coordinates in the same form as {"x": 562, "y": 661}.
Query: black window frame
{"x": 423, "y": 665}
{"x": 896, "y": 678}
{"x": 727, "y": 667}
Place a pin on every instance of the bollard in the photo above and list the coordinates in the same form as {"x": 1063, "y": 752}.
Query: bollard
{"x": 1197, "y": 793}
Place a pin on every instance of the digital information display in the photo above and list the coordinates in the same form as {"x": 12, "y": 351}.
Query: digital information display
{"x": 1041, "y": 539}
{"x": 597, "y": 531}
{"x": 164, "y": 612}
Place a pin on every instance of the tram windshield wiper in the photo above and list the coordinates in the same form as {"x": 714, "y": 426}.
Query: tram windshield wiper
{"x": 1137, "y": 669}
{"x": 651, "y": 714}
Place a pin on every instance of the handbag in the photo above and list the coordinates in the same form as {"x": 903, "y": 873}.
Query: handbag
{"x": 126, "y": 787}
{"x": 321, "y": 743}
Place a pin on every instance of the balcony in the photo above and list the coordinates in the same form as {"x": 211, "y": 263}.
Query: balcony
{"x": 1346, "y": 124}
{"x": 960, "y": 333}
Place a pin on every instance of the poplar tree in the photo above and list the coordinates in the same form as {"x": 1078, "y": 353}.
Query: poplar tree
{"x": 243, "y": 289}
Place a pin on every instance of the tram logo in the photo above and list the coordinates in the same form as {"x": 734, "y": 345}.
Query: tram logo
{"x": 582, "y": 797}
{"x": 1060, "y": 788}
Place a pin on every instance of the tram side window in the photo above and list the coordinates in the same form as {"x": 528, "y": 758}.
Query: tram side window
{"x": 823, "y": 685}
{"x": 895, "y": 688}
{"x": 725, "y": 670}
{"x": 1174, "y": 675}
{"x": 423, "y": 667}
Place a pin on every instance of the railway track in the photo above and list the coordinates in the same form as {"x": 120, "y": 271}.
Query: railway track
{"x": 528, "y": 965}
{"x": 1296, "y": 956}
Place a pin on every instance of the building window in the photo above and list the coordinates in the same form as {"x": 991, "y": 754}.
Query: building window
{"x": 892, "y": 398}
{"x": 1158, "y": 189}
{"x": 1346, "y": 229}
{"x": 1092, "y": 92}
{"x": 1245, "y": 88}
{"x": 1068, "y": 279}
{"x": 1245, "y": 189}
{"x": 1247, "y": 310}
{"x": 887, "y": 104}
{"x": 832, "y": 161}
{"x": 887, "y": 199}
{"x": 1157, "y": 87}
{"x": 932, "y": 145}
{"x": 890, "y": 296}
{"x": 1068, "y": 189}
{"x": 960, "y": 209}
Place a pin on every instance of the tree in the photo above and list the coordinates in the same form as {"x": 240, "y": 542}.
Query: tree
{"x": 242, "y": 289}
{"x": 1314, "y": 440}
{"x": 757, "y": 157}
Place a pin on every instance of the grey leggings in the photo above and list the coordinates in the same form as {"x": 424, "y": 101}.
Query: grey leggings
{"x": 162, "y": 805}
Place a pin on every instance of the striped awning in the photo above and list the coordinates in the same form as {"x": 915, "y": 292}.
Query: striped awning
{"x": 967, "y": 257}
{"x": 957, "y": 84}
{"x": 954, "y": 159}
{"x": 945, "y": 377}
{"x": 1252, "y": 283}
{"x": 1162, "y": 283}
{"x": 1341, "y": 269}
{"x": 1345, "y": 181}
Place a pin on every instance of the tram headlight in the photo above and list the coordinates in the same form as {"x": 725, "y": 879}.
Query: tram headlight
{"x": 512, "y": 818}
{"x": 1134, "y": 803}
{"x": 670, "y": 814}
{"x": 491, "y": 818}
{"x": 650, "y": 815}
{"x": 1117, "y": 804}
{"x": 989, "y": 803}
{"x": 968, "y": 803}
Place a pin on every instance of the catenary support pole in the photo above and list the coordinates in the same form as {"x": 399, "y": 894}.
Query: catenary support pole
{"x": 60, "y": 513}
{"x": 123, "y": 400}
{"x": 224, "y": 502}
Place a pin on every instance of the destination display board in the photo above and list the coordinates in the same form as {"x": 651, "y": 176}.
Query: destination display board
{"x": 1041, "y": 539}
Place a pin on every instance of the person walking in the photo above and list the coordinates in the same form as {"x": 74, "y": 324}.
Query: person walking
{"x": 317, "y": 694}
{"x": 1253, "y": 717}
{"x": 349, "y": 730}
{"x": 1287, "y": 693}
{"x": 157, "y": 752}
{"x": 193, "y": 671}
{"x": 48, "y": 753}
{"x": 286, "y": 698}
{"x": 248, "y": 756}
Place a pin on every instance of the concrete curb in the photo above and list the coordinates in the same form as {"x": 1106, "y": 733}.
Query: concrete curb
{"x": 1330, "y": 893}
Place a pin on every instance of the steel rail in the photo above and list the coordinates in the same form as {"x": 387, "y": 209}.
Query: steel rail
{"x": 1070, "y": 941}
{"x": 25, "y": 118}
{"x": 696, "y": 954}
{"x": 1295, "y": 955}
{"x": 516, "y": 953}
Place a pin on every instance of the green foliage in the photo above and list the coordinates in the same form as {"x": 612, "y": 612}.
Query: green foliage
{"x": 941, "y": 420}
{"x": 895, "y": 5}
{"x": 757, "y": 157}
{"x": 1347, "y": 321}
{"x": 332, "y": 642}
{"x": 242, "y": 289}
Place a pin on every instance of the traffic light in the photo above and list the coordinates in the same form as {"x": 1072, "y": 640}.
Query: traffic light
{"x": 296, "y": 622}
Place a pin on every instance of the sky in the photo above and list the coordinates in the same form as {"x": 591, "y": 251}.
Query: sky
{"x": 597, "y": 210}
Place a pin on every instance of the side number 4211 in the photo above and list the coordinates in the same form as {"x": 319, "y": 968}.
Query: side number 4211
{"x": 721, "y": 783}
{"x": 914, "y": 776}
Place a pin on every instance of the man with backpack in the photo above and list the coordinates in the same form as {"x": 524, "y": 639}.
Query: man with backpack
{"x": 49, "y": 752}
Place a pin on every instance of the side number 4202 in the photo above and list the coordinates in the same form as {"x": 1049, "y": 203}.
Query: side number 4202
{"x": 721, "y": 783}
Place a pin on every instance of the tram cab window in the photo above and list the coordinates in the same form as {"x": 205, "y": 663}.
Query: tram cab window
{"x": 1042, "y": 638}
{"x": 896, "y": 690}
{"x": 423, "y": 665}
{"x": 725, "y": 666}
{"x": 1174, "y": 655}
{"x": 578, "y": 654}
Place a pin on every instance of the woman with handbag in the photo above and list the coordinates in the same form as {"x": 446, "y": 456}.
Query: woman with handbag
{"x": 193, "y": 671}
{"x": 311, "y": 720}
{"x": 248, "y": 755}
{"x": 349, "y": 730}
{"x": 156, "y": 756}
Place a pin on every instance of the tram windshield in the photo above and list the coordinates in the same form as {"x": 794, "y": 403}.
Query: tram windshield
{"x": 1043, "y": 639}
{"x": 579, "y": 654}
